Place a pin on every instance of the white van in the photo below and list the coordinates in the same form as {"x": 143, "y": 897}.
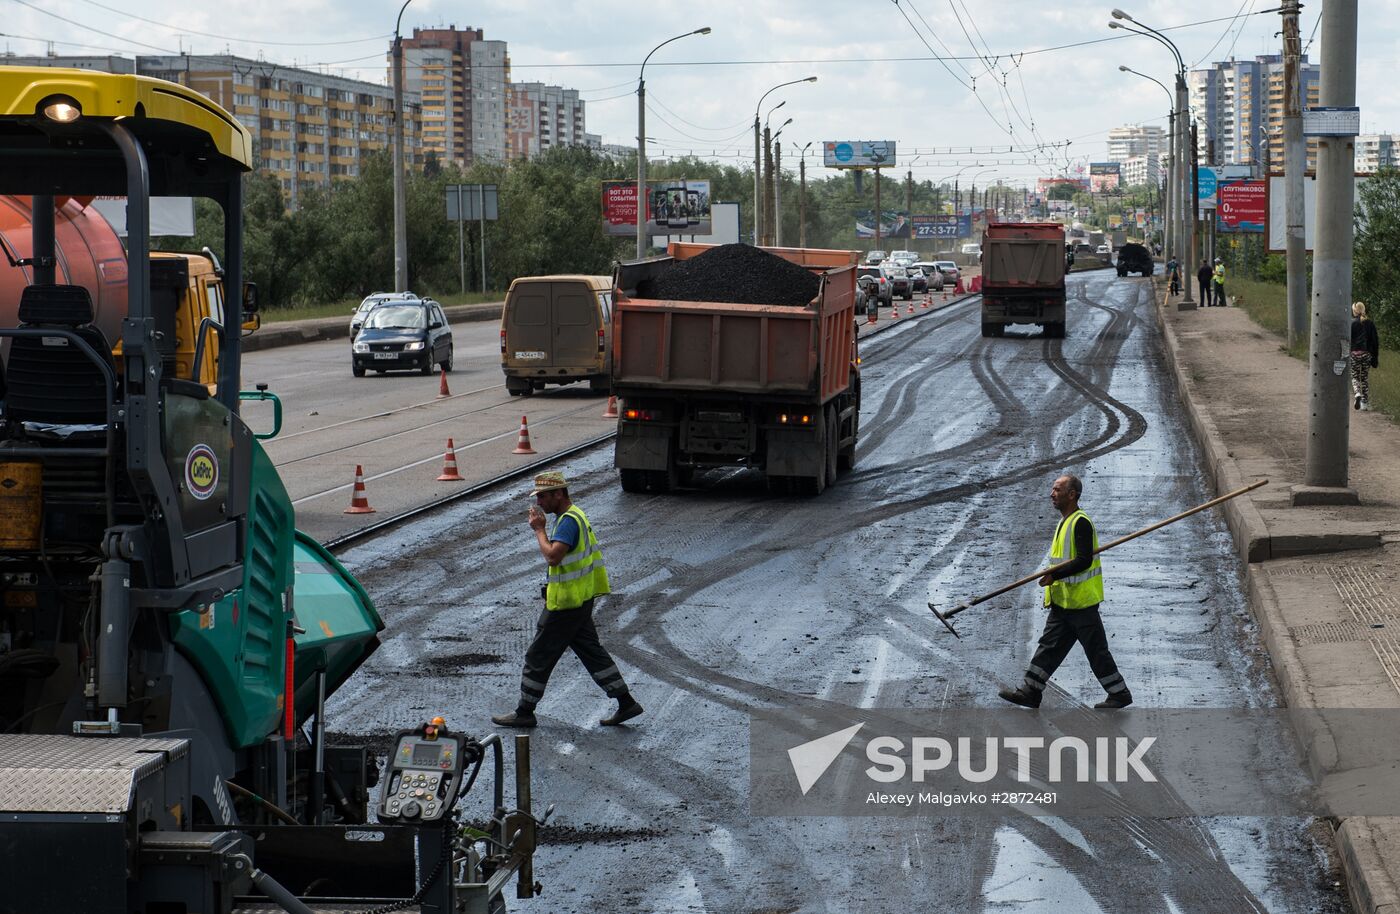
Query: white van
{"x": 974, "y": 250}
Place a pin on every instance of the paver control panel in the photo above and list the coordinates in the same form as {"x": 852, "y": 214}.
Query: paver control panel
{"x": 425, "y": 773}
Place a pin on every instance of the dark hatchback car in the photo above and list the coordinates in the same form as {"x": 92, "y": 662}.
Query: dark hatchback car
{"x": 1133, "y": 258}
{"x": 399, "y": 336}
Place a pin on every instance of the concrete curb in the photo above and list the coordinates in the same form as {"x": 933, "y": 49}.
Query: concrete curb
{"x": 1371, "y": 887}
{"x": 1246, "y": 524}
{"x": 292, "y": 333}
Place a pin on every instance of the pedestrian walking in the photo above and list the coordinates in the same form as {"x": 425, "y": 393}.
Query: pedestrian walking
{"x": 1218, "y": 280}
{"x": 575, "y": 577}
{"x": 1203, "y": 276}
{"x": 1174, "y": 276}
{"x": 1073, "y": 595}
{"x": 1365, "y": 355}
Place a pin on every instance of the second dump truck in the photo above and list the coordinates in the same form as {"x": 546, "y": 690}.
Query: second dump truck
{"x": 1023, "y": 277}
{"x": 721, "y": 383}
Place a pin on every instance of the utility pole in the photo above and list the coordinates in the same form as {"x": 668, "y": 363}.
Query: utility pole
{"x": 1189, "y": 193}
{"x": 1169, "y": 188}
{"x": 766, "y": 235}
{"x": 1328, "y": 416}
{"x": 757, "y": 180}
{"x": 1294, "y": 164}
{"x": 878, "y": 213}
{"x": 802, "y": 200}
{"x": 400, "y": 194}
{"x": 778, "y": 193}
{"x": 909, "y": 197}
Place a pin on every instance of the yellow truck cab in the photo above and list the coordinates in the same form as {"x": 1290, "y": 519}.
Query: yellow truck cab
{"x": 190, "y": 287}
{"x": 557, "y": 330}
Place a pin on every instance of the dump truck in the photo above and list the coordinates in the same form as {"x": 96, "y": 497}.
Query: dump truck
{"x": 168, "y": 639}
{"x": 774, "y": 387}
{"x": 1023, "y": 277}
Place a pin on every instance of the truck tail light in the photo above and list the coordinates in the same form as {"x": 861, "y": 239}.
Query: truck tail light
{"x": 643, "y": 415}
{"x": 794, "y": 419}
{"x": 600, "y": 339}
{"x": 503, "y": 342}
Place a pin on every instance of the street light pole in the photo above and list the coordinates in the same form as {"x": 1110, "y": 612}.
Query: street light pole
{"x": 772, "y": 201}
{"x": 757, "y": 151}
{"x": 1294, "y": 164}
{"x": 642, "y": 141}
{"x": 1171, "y": 135}
{"x": 400, "y": 206}
{"x": 802, "y": 197}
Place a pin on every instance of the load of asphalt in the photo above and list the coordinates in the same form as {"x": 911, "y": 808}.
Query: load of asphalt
{"x": 734, "y": 273}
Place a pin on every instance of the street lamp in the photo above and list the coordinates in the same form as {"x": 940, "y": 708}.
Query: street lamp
{"x": 400, "y": 207}
{"x": 775, "y": 178}
{"x": 1186, "y": 219}
{"x": 1171, "y": 132}
{"x": 642, "y": 141}
{"x": 757, "y": 162}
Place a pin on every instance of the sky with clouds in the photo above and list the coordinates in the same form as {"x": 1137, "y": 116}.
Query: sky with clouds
{"x": 1000, "y": 82}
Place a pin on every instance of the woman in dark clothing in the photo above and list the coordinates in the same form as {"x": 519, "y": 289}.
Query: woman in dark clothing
{"x": 1365, "y": 355}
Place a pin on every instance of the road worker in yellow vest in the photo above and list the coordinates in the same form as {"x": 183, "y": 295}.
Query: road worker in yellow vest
{"x": 575, "y": 577}
{"x": 1072, "y": 596}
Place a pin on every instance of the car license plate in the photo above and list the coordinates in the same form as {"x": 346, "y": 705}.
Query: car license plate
{"x": 386, "y": 355}
{"x": 531, "y": 354}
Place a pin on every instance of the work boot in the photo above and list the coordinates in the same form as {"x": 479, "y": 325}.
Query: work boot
{"x": 1116, "y": 700}
{"x": 516, "y": 718}
{"x": 1026, "y": 698}
{"x": 1356, "y": 402}
{"x": 624, "y": 713}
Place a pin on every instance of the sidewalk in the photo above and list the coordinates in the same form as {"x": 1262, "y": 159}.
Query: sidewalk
{"x": 1319, "y": 579}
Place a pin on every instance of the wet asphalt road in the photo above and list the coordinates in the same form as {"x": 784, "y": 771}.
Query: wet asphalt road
{"x": 730, "y": 600}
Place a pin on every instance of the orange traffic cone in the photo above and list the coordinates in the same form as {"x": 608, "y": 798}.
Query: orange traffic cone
{"x": 449, "y": 466}
{"x": 924, "y": 303}
{"x": 611, "y": 411}
{"x": 523, "y": 445}
{"x": 959, "y": 289}
{"x": 894, "y": 312}
{"x": 442, "y": 386}
{"x": 945, "y": 293}
{"x": 910, "y": 312}
{"x": 359, "y": 502}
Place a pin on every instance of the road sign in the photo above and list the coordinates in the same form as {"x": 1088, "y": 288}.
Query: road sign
{"x": 472, "y": 198}
{"x": 1331, "y": 121}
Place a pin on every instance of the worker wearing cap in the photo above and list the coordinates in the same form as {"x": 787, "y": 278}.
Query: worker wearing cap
{"x": 575, "y": 577}
{"x": 1072, "y": 594}
{"x": 1218, "y": 282}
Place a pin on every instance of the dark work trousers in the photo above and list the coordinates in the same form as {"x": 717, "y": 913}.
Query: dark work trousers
{"x": 1063, "y": 627}
{"x": 1205, "y": 293}
{"x": 1220, "y": 295}
{"x": 557, "y": 631}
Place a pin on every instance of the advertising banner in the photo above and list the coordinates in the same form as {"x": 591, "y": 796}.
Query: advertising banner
{"x": 892, "y": 224}
{"x": 1103, "y": 176}
{"x": 858, "y": 153}
{"x": 674, "y": 207}
{"x": 945, "y": 226}
{"x": 1243, "y": 206}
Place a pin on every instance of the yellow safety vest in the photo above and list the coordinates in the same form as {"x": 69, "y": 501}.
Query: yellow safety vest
{"x": 1078, "y": 591}
{"x": 581, "y": 576}
{"x": 1219, "y": 275}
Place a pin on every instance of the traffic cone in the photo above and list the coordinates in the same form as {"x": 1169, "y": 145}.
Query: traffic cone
{"x": 359, "y": 502}
{"x": 945, "y": 293}
{"x": 924, "y": 303}
{"x": 449, "y": 466}
{"x": 522, "y": 446}
{"x": 442, "y": 386}
{"x": 611, "y": 411}
{"x": 958, "y": 289}
{"x": 910, "y": 312}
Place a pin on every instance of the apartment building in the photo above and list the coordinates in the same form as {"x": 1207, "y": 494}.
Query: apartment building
{"x": 1238, "y": 107}
{"x": 542, "y": 117}
{"x": 308, "y": 128}
{"x": 463, "y": 82}
{"x": 1126, "y": 142}
{"x": 1140, "y": 169}
{"x": 1375, "y": 151}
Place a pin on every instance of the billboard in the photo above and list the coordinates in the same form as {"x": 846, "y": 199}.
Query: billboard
{"x": 1242, "y": 207}
{"x": 724, "y": 217}
{"x": 674, "y": 206}
{"x": 892, "y": 224}
{"x": 942, "y": 226}
{"x": 1103, "y": 176}
{"x": 858, "y": 153}
{"x": 1276, "y": 222}
{"x": 1043, "y": 185}
{"x": 1210, "y": 177}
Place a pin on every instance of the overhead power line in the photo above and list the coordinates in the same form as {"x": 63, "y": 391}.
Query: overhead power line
{"x": 180, "y": 30}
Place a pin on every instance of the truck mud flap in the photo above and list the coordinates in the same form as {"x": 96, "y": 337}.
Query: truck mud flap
{"x": 643, "y": 448}
{"x": 794, "y": 452}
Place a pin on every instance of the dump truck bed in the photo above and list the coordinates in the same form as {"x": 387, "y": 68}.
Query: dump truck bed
{"x": 1023, "y": 255}
{"x": 670, "y": 346}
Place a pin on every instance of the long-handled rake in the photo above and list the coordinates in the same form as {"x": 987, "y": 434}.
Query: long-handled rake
{"x": 946, "y": 616}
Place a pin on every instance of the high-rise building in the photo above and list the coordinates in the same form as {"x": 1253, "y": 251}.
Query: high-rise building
{"x": 308, "y": 128}
{"x": 1126, "y": 142}
{"x": 1139, "y": 169}
{"x": 463, "y": 81}
{"x": 1375, "y": 151}
{"x": 1238, "y": 107}
{"x": 542, "y": 117}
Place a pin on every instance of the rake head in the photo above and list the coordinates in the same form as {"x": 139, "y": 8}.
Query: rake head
{"x": 947, "y": 618}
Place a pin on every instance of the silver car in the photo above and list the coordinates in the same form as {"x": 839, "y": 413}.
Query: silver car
{"x": 372, "y": 301}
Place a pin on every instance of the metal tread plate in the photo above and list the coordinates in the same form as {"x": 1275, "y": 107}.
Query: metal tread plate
{"x": 42, "y": 773}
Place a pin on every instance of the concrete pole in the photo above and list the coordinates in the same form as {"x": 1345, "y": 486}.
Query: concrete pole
{"x": 1168, "y": 210}
{"x": 1328, "y": 414}
{"x": 778, "y": 193}
{"x": 757, "y": 175}
{"x": 766, "y": 235}
{"x": 877, "y": 209}
{"x": 400, "y": 206}
{"x": 1294, "y": 164}
{"x": 802, "y": 202}
{"x": 641, "y": 169}
{"x": 1188, "y": 192}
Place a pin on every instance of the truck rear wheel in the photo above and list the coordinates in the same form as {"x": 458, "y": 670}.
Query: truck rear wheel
{"x": 833, "y": 439}
{"x": 633, "y": 480}
{"x": 1055, "y": 331}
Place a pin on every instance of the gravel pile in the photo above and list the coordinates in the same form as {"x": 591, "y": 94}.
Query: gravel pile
{"x": 735, "y": 273}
